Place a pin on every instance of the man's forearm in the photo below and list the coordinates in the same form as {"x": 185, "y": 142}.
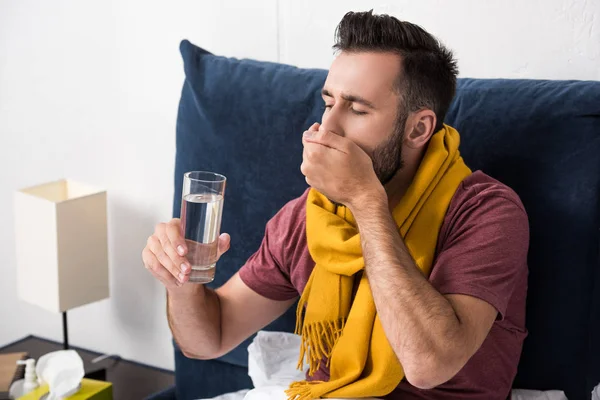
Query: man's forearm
{"x": 419, "y": 322}
{"x": 194, "y": 316}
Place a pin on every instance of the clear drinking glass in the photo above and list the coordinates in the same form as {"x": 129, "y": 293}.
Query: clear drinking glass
{"x": 201, "y": 210}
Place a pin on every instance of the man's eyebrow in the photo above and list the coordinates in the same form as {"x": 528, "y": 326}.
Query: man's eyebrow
{"x": 351, "y": 98}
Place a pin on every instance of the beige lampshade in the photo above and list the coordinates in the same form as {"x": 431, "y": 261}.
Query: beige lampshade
{"x": 61, "y": 245}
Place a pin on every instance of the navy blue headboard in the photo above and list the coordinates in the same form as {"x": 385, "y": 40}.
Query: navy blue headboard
{"x": 244, "y": 119}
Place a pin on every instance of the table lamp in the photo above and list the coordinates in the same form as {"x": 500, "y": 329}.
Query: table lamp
{"x": 61, "y": 246}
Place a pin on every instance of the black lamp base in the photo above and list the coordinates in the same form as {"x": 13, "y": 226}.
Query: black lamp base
{"x": 65, "y": 331}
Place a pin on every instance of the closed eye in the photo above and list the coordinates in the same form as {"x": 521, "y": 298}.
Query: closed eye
{"x": 355, "y": 112}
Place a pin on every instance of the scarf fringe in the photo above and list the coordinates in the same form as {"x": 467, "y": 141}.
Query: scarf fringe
{"x": 301, "y": 390}
{"x": 318, "y": 340}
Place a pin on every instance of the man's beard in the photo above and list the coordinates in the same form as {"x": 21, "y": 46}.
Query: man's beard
{"x": 387, "y": 157}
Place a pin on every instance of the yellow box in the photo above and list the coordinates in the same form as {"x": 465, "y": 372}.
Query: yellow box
{"x": 90, "y": 390}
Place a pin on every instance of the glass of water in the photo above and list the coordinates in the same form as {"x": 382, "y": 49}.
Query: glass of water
{"x": 201, "y": 210}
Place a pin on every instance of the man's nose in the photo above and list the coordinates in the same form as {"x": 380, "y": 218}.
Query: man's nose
{"x": 331, "y": 122}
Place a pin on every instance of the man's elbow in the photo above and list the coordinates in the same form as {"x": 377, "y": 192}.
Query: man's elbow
{"x": 422, "y": 381}
{"x": 430, "y": 374}
{"x": 199, "y": 356}
{"x": 195, "y": 356}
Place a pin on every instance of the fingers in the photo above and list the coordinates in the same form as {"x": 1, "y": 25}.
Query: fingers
{"x": 175, "y": 236}
{"x": 170, "y": 238}
{"x": 305, "y": 167}
{"x": 312, "y": 131}
{"x": 325, "y": 138}
{"x": 310, "y": 155}
{"x": 172, "y": 267}
{"x": 330, "y": 139}
{"x": 157, "y": 248}
{"x": 313, "y": 153}
{"x": 153, "y": 265}
{"x": 224, "y": 244}
{"x": 174, "y": 245}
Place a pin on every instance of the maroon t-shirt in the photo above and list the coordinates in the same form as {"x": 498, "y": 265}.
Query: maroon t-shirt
{"x": 481, "y": 252}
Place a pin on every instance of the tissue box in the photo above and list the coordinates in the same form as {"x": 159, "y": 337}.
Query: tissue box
{"x": 90, "y": 390}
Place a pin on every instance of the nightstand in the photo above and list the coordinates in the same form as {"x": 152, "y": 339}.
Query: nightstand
{"x": 131, "y": 380}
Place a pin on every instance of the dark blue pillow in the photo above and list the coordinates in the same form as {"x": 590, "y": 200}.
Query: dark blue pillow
{"x": 245, "y": 118}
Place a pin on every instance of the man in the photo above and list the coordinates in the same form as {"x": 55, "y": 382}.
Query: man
{"x": 428, "y": 301}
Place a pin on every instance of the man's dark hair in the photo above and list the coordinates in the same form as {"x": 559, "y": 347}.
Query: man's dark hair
{"x": 428, "y": 73}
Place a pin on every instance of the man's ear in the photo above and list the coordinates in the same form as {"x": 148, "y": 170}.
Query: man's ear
{"x": 420, "y": 126}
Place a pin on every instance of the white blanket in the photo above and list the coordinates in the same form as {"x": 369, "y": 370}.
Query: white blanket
{"x": 272, "y": 359}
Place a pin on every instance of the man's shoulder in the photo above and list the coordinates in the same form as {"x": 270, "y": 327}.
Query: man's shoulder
{"x": 297, "y": 205}
{"x": 292, "y": 215}
{"x": 479, "y": 189}
{"x": 479, "y": 202}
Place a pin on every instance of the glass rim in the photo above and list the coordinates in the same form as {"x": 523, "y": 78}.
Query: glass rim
{"x": 221, "y": 178}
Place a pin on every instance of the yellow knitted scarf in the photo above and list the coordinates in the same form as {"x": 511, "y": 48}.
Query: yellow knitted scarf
{"x": 346, "y": 333}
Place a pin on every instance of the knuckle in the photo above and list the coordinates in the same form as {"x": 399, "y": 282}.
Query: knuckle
{"x": 166, "y": 247}
{"x": 153, "y": 265}
{"x": 145, "y": 256}
{"x": 159, "y": 227}
{"x": 163, "y": 259}
{"x": 151, "y": 242}
{"x": 173, "y": 232}
{"x": 150, "y": 264}
{"x": 154, "y": 261}
{"x": 162, "y": 238}
{"x": 167, "y": 263}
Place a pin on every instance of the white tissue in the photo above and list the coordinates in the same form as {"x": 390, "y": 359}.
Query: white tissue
{"x": 272, "y": 359}
{"x": 524, "y": 394}
{"x": 596, "y": 393}
{"x": 62, "y": 371}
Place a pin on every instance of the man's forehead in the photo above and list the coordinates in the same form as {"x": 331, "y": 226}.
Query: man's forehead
{"x": 371, "y": 75}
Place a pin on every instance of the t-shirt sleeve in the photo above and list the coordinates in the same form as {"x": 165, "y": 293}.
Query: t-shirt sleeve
{"x": 484, "y": 250}
{"x": 267, "y": 271}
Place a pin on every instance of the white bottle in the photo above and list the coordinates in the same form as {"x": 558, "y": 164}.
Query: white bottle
{"x": 23, "y": 386}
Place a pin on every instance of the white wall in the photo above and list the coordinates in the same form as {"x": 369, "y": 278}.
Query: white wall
{"x": 89, "y": 90}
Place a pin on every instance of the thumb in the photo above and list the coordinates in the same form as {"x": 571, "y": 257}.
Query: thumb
{"x": 313, "y": 130}
{"x": 224, "y": 244}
